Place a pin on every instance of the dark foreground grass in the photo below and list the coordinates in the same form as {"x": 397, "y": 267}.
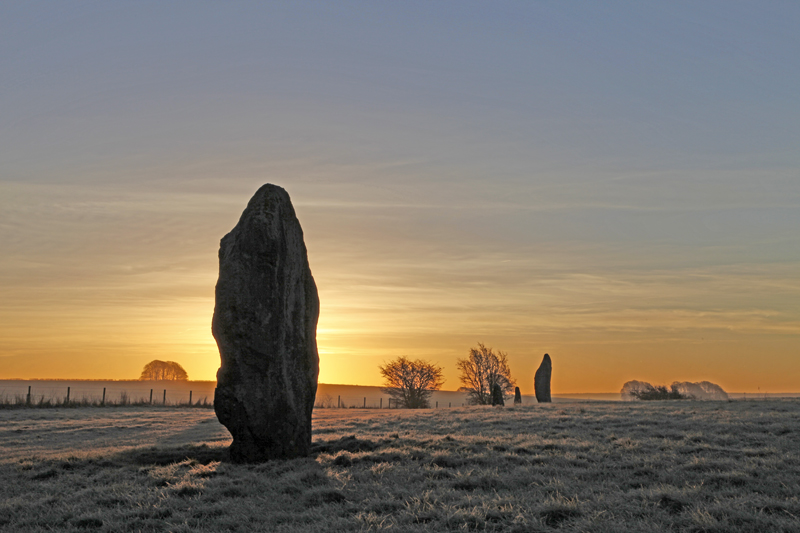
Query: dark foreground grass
{"x": 672, "y": 466}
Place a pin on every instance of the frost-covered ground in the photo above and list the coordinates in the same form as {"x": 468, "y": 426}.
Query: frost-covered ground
{"x": 99, "y": 432}
{"x": 585, "y": 466}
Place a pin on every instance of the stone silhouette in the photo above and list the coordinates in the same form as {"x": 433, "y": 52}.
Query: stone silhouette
{"x": 265, "y": 325}
{"x": 497, "y": 395}
{"x": 517, "y": 396}
{"x": 541, "y": 381}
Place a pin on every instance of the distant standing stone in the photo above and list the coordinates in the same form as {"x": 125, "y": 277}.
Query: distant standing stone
{"x": 541, "y": 381}
{"x": 265, "y": 325}
{"x": 517, "y": 396}
{"x": 497, "y": 395}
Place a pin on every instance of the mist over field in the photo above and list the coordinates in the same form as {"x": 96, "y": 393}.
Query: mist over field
{"x": 328, "y": 395}
{"x": 178, "y": 392}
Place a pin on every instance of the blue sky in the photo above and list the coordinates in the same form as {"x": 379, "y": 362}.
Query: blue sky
{"x": 611, "y": 183}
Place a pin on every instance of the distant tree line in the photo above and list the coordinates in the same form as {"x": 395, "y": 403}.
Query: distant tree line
{"x": 163, "y": 371}
{"x": 411, "y": 383}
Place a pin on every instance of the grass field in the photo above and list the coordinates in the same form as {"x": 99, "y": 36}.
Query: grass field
{"x": 584, "y": 466}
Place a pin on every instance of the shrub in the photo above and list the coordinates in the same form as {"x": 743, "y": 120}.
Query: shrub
{"x": 658, "y": 392}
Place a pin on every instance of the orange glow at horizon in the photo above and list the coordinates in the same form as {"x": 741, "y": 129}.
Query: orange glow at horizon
{"x": 363, "y": 325}
{"x": 602, "y": 325}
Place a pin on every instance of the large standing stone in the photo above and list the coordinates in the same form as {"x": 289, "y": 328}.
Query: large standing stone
{"x": 497, "y": 395}
{"x": 265, "y": 325}
{"x": 517, "y": 396}
{"x": 541, "y": 381}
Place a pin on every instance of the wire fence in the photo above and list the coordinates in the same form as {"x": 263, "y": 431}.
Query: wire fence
{"x": 339, "y": 401}
{"x": 79, "y": 393}
{"x": 83, "y": 396}
{"x": 189, "y": 394}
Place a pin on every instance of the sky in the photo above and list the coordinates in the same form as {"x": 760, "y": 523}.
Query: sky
{"x": 616, "y": 184}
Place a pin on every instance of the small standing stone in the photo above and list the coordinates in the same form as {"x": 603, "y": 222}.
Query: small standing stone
{"x": 517, "y": 396}
{"x": 541, "y": 381}
{"x": 497, "y": 395}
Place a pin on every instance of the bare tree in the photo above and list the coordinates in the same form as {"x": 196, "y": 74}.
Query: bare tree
{"x": 163, "y": 371}
{"x": 411, "y": 383}
{"x": 481, "y": 371}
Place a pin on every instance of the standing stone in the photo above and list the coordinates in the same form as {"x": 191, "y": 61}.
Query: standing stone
{"x": 265, "y": 325}
{"x": 497, "y": 395}
{"x": 541, "y": 381}
{"x": 517, "y": 396}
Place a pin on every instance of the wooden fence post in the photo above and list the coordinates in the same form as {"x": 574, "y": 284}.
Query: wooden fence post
{"x": 437, "y": 405}
{"x": 338, "y": 403}
{"x": 28, "y": 399}
{"x": 151, "y": 396}
{"x": 190, "y": 398}
{"x": 104, "y": 397}
{"x": 365, "y": 402}
{"x": 67, "y": 402}
{"x": 381, "y": 403}
{"x": 165, "y": 397}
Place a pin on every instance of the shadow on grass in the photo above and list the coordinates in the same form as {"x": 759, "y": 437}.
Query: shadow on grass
{"x": 351, "y": 444}
{"x": 161, "y": 456}
{"x": 204, "y": 454}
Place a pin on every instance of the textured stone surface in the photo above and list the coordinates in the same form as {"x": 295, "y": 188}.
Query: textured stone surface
{"x": 265, "y": 324}
{"x": 517, "y": 396}
{"x": 541, "y": 381}
{"x": 497, "y": 395}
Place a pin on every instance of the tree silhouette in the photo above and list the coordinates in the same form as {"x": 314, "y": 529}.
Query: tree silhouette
{"x": 163, "y": 371}
{"x": 411, "y": 383}
{"x": 481, "y": 371}
{"x": 659, "y": 392}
